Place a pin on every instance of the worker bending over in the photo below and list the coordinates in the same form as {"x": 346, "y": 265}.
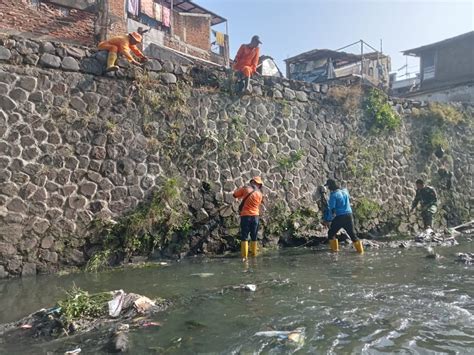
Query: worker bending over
{"x": 123, "y": 45}
{"x": 426, "y": 196}
{"x": 339, "y": 215}
{"x": 246, "y": 60}
{"x": 249, "y": 210}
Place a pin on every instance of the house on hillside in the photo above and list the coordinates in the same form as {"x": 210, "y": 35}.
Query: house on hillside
{"x": 177, "y": 27}
{"x": 321, "y": 65}
{"x": 446, "y": 70}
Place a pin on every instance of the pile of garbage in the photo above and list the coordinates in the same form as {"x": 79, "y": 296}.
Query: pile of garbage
{"x": 110, "y": 314}
{"x": 465, "y": 258}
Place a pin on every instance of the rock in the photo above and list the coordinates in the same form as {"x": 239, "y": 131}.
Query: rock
{"x": 48, "y": 47}
{"x": 88, "y": 188}
{"x": 70, "y": 64}
{"x": 41, "y": 226}
{"x": 50, "y": 61}
{"x": 27, "y": 83}
{"x": 28, "y": 269}
{"x": 3, "y": 273}
{"x": 77, "y": 202}
{"x": 17, "y": 205}
{"x": 289, "y": 94}
{"x": 5, "y": 53}
{"x": 47, "y": 242}
{"x": 92, "y": 66}
{"x": 75, "y": 52}
{"x": 153, "y": 65}
{"x": 78, "y": 104}
{"x": 168, "y": 66}
{"x": 301, "y": 96}
{"x": 19, "y": 95}
{"x": 6, "y": 103}
{"x": 168, "y": 78}
{"x": 324, "y": 88}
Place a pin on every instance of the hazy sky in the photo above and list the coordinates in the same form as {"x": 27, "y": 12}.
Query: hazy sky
{"x": 289, "y": 27}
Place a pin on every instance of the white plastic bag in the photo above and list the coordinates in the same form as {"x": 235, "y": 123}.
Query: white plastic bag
{"x": 115, "y": 306}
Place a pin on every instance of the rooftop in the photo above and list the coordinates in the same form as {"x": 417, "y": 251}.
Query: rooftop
{"x": 191, "y": 7}
{"x": 418, "y": 50}
{"x": 336, "y": 56}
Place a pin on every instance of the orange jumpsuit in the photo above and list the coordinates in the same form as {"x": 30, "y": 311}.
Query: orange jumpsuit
{"x": 121, "y": 44}
{"x": 246, "y": 60}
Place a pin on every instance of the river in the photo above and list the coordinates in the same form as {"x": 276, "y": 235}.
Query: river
{"x": 385, "y": 301}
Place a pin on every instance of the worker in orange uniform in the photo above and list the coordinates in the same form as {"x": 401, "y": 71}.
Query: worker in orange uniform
{"x": 249, "y": 210}
{"x": 123, "y": 45}
{"x": 246, "y": 60}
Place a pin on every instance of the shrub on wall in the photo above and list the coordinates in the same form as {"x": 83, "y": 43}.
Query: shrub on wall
{"x": 365, "y": 210}
{"x": 380, "y": 114}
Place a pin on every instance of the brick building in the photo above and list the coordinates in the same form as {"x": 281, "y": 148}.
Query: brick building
{"x": 181, "y": 26}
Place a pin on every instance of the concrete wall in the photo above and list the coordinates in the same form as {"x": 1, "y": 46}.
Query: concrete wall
{"x": 78, "y": 146}
{"x": 460, "y": 93}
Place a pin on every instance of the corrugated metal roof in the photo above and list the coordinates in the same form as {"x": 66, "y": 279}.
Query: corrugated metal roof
{"x": 189, "y": 6}
{"x": 418, "y": 50}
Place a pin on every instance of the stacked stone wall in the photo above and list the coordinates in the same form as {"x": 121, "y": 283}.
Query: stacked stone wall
{"x": 77, "y": 146}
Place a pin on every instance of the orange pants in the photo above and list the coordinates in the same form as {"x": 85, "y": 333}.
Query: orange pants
{"x": 108, "y": 47}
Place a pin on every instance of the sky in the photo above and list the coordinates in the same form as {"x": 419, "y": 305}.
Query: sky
{"x": 290, "y": 27}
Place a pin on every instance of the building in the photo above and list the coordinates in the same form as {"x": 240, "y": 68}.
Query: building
{"x": 320, "y": 65}
{"x": 446, "y": 70}
{"x": 181, "y": 26}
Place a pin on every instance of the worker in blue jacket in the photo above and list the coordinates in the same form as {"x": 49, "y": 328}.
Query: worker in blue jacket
{"x": 338, "y": 214}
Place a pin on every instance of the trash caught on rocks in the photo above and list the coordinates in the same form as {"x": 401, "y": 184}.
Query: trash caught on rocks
{"x": 466, "y": 258}
{"x": 296, "y": 336}
{"x": 109, "y": 315}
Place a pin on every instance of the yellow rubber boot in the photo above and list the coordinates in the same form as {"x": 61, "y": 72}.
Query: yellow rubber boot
{"x": 359, "y": 247}
{"x": 334, "y": 244}
{"x": 253, "y": 248}
{"x": 111, "y": 59}
{"x": 244, "y": 249}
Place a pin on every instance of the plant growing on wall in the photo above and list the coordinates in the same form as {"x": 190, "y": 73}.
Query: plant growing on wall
{"x": 365, "y": 209}
{"x": 150, "y": 226}
{"x": 437, "y": 118}
{"x": 379, "y": 112}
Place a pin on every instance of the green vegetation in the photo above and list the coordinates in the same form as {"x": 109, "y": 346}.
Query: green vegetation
{"x": 152, "y": 225}
{"x": 363, "y": 157}
{"x": 437, "y": 118}
{"x": 290, "y": 161}
{"x": 281, "y": 219}
{"x": 381, "y": 116}
{"x": 365, "y": 210}
{"x": 79, "y": 304}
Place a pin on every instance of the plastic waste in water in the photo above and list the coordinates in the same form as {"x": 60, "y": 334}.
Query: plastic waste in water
{"x": 115, "y": 306}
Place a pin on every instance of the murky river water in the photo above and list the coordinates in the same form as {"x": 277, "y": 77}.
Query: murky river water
{"x": 382, "y": 302}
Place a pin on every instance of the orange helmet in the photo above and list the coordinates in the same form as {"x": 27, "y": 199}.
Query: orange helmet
{"x": 258, "y": 180}
{"x": 136, "y": 36}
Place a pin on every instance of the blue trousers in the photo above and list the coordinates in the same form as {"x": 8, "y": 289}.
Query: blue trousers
{"x": 249, "y": 225}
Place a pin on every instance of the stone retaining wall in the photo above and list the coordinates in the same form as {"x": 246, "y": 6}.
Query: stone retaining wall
{"x": 78, "y": 146}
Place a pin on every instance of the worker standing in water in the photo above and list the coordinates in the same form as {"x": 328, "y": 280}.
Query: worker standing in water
{"x": 249, "y": 210}
{"x": 123, "y": 45}
{"x": 339, "y": 215}
{"x": 426, "y": 196}
{"x": 246, "y": 61}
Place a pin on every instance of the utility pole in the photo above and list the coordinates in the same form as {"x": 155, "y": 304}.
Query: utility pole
{"x": 362, "y": 60}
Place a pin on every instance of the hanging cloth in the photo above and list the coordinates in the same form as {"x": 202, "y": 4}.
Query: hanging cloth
{"x": 133, "y": 6}
{"x": 147, "y": 8}
{"x": 220, "y": 39}
{"x": 158, "y": 12}
{"x": 166, "y": 16}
